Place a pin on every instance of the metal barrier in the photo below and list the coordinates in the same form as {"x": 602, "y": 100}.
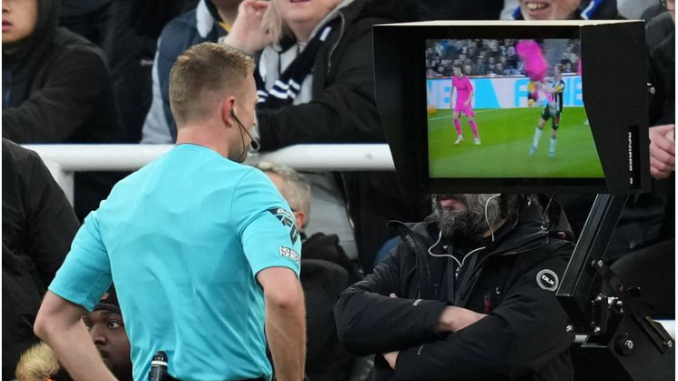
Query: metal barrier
{"x": 65, "y": 159}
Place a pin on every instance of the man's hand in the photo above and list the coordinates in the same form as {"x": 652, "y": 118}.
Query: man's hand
{"x": 391, "y": 359}
{"x": 454, "y": 318}
{"x": 662, "y": 151}
{"x": 247, "y": 33}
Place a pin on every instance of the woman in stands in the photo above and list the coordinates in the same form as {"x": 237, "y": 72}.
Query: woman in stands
{"x": 316, "y": 85}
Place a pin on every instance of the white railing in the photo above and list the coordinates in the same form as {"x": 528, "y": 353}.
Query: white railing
{"x": 65, "y": 159}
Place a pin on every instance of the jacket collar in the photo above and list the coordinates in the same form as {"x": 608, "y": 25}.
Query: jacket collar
{"x": 206, "y": 16}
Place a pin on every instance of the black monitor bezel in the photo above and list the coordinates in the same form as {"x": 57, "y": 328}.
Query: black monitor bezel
{"x": 407, "y": 116}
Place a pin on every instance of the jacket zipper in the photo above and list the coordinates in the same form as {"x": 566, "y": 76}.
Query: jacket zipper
{"x": 341, "y": 35}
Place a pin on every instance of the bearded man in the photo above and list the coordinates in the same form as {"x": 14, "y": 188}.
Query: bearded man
{"x": 469, "y": 294}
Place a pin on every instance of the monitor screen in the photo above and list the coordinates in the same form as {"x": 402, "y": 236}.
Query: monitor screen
{"x": 516, "y": 107}
{"x": 507, "y": 108}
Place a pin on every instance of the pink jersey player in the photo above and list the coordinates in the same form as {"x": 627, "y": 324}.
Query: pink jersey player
{"x": 530, "y": 53}
{"x": 464, "y": 88}
{"x": 534, "y": 64}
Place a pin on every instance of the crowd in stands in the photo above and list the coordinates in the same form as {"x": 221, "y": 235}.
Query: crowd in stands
{"x": 106, "y": 80}
{"x": 486, "y": 57}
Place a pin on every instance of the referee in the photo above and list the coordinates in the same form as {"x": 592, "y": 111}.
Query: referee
{"x": 204, "y": 252}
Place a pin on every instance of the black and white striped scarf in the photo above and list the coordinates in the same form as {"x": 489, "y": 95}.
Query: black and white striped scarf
{"x": 287, "y": 87}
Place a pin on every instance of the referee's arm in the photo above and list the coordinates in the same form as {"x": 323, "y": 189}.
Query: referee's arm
{"x": 285, "y": 321}
{"x": 59, "y": 324}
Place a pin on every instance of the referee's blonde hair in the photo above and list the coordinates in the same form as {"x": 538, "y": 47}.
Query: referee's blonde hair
{"x": 202, "y": 71}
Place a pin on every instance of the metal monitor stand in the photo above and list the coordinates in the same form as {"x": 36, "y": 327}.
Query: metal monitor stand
{"x": 624, "y": 342}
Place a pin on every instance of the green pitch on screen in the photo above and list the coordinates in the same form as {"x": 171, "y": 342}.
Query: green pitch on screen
{"x": 506, "y": 136}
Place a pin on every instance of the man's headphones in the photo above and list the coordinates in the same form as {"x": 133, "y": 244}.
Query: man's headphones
{"x": 233, "y": 113}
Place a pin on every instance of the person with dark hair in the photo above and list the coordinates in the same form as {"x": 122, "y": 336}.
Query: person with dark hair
{"x": 468, "y": 294}
{"x": 203, "y": 251}
{"x": 107, "y": 330}
{"x": 38, "y": 225}
{"x": 463, "y": 103}
{"x": 481, "y": 67}
{"x": 56, "y": 89}
{"x": 468, "y": 69}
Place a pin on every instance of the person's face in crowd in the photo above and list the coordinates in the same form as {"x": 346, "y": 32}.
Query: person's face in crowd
{"x": 108, "y": 334}
{"x": 502, "y": 59}
{"x": 19, "y": 18}
{"x": 499, "y": 68}
{"x": 305, "y": 12}
{"x": 491, "y": 60}
{"x": 568, "y": 68}
{"x": 244, "y": 111}
{"x": 511, "y": 51}
{"x": 548, "y": 9}
{"x": 468, "y": 70}
{"x": 462, "y": 57}
{"x": 280, "y": 184}
{"x": 464, "y": 214}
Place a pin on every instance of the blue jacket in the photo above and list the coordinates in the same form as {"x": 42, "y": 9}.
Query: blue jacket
{"x": 192, "y": 28}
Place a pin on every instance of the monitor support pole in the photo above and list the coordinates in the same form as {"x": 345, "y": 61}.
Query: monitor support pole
{"x": 622, "y": 339}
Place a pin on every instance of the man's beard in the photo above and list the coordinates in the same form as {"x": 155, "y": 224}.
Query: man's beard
{"x": 470, "y": 223}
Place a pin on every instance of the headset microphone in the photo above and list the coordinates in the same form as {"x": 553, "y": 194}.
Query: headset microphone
{"x": 254, "y": 143}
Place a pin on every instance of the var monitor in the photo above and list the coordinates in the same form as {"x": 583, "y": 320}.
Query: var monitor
{"x": 515, "y": 107}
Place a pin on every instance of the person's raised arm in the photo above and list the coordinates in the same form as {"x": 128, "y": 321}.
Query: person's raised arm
{"x": 285, "y": 325}
{"x": 59, "y": 324}
{"x": 248, "y": 33}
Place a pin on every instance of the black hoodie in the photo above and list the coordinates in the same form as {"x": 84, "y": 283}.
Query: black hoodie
{"x": 56, "y": 87}
{"x": 523, "y": 336}
{"x": 38, "y": 225}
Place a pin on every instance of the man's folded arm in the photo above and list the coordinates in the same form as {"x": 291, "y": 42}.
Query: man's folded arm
{"x": 370, "y": 321}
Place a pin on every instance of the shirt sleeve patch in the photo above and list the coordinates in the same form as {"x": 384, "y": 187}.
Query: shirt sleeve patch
{"x": 289, "y": 253}
{"x": 288, "y": 220}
